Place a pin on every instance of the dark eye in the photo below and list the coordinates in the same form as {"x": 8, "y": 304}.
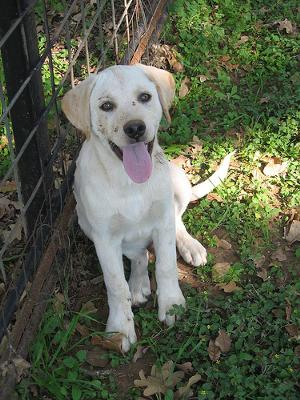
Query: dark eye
{"x": 107, "y": 106}
{"x": 144, "y": 97}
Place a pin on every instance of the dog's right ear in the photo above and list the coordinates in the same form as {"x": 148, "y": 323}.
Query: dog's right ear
{"x": 76, "y": 105}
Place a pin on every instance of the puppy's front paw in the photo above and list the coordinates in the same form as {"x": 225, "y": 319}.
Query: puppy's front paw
{"x": 165, "y": 303}
{"x": 123, "y": 323}
{"x": 192, "y": 251}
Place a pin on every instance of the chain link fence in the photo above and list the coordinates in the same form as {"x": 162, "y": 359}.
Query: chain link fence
{"x": 46, "y": 47}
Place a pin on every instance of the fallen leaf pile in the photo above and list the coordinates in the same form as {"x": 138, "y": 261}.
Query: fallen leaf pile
{"x": 166, "y": 378}
{"x": 164, "y": 56}
{"x": 221, "y": 344}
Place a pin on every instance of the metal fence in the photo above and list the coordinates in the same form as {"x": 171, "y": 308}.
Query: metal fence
{"x": 46, "y": 47}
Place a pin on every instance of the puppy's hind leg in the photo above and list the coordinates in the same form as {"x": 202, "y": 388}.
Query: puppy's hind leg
{"x": 139, "y": 283}
{"x": 189, "y": 248}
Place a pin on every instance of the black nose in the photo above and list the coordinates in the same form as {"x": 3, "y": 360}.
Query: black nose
{"x": 134, "y": 129}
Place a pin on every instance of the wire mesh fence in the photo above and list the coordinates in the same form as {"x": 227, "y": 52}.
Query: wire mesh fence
{"x": 46, "y": 47}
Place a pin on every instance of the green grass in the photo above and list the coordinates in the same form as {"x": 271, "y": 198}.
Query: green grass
{"x": 249, "y": 102}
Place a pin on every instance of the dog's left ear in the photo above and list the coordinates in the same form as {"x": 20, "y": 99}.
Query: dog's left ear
{"x": 165, "y": 85}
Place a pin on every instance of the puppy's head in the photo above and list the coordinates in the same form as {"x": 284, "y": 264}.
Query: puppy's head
{"x": 123, "y": 106}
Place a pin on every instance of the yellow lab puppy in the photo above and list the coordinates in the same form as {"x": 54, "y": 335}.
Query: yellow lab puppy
{"x": 128, "y": 195}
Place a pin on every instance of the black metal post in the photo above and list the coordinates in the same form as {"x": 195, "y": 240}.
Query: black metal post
{"x": 20, "y": 54}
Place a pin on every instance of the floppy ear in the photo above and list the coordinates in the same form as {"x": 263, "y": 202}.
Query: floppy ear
{"x": 76, "y": 105}
{"x": 165, "y": 86}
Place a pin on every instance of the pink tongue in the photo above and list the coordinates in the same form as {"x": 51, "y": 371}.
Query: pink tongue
{"x": 137, "y": 162}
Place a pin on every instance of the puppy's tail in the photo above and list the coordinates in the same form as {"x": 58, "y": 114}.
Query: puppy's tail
{"x": 203, "y": 188}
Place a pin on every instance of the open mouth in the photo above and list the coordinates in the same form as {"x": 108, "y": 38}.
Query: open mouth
{"x": 136, "y": 159}
{"x": 119, "y": 152}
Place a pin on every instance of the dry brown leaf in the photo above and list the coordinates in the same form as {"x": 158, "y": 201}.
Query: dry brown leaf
{"x": 21, "y": 366}
{"x": 223, "y": 244}
{"x": 223, "y": 341}
{"x": 82, "y": 330}
{"x": 297, "y": 351}
{"x": 3, "y": 142}
{"x": 96, "y": 340}
{"x": 95, "y": 357}
{"x": 275, "y": 167}
{"x": 219, "y": 270}
{"x": 140, "y": 351}
{"x": 77, "y": 17}
{"x": 175, "y": 64}
{"x": 286, "y": 25}
{"x": 229, "y": 287}
{"x": 58, "y": 303}
{"x": 264, "y": 100}
{"x": 293, "y": 330}
{"x": 153, "y": 385}
{"x": 163, "y": 54}
{"x": 225, "y": 61}
{"x": 279, "y": 255}
{"x": 180, "y": 161}
{"x": 224, "y": 58}
{"x": 197, "y": 140}
{"x": 15, "y": 232}
{"x": 293, "y": 234}
{"x": 288, "y": 310}
{"x": 89, "y": 307}
{"x": 195, "y": 148}
{"x": 4, "y": 206}
{"x": 34, "y": 390}
{"x": 263, "y": 274}
{"x": 257, "y": 174}
{"x": 202, "y": 78}
{"x": 18, "y": 364}
{"x": 186, "y": 367}
{"x": 277, "y": 312}
{"x": 259, "y": 261}
{"x": 185, "y": 392}
{"x": 170, "y": 54}
{"x": 8, "y": 186}
{"x": 112, "y": 342}
{"x": 2, "y": 288}
{"x": 214, "y": 196}
{"x": 243, "y": 39}
{"x": 214, "y": 351}
{"x": 160, "y": 380}
{"x": 184, "y": 87}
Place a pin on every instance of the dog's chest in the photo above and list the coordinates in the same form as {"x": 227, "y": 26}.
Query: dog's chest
{"x": 136, "y": 217}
